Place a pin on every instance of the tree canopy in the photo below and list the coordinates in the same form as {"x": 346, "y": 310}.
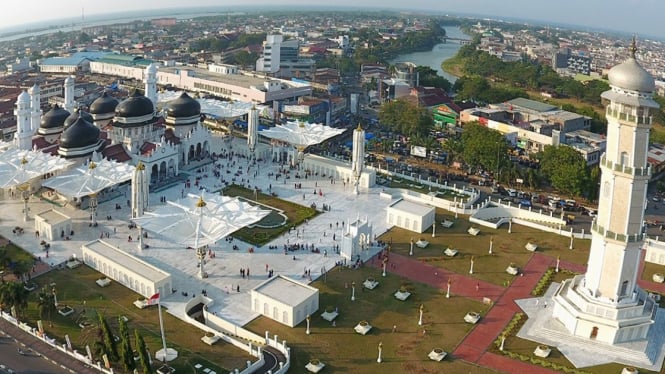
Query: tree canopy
{"x": 484, "y": 147}
{"x": 406, "y": 118}
{"x": 565, "y": 168}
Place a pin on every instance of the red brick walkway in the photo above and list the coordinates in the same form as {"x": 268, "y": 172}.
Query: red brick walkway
{"x": 475, "y": 345}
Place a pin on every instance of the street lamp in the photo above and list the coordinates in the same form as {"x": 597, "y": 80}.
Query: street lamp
{"x": 353, "y": 291}
{"x": 378, "y": 359}
{"x": 307, "y": 319}
{"x": 420, "y": 318}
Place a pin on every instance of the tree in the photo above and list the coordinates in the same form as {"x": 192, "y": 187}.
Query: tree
{"x": 14, "y": 295}
{"x": 244, "y": 58}
{"x": 429, "y": 77}
{"x": 406, "y": 118}
{"x": 565, "y": 168}
{"x": 143, "y": 353}
{"x": 126, "y": 351}
{"x": 484, "y": 148}
{"x": 46, "y": 305}
{"x": 107, "y": 338}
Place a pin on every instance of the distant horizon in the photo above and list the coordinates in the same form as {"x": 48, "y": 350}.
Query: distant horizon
{"x": 95, "y": 16}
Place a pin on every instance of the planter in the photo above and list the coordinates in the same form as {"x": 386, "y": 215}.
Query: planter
{"x": 542, "y": 351}
{"x": 370, "y": 283}
{"x": 629, "y": 370}
{"x": 437, "y": 354}
{"x": 658, "y": 278}
{"x": 472, "y": 318}
{"x": 66, "y": 311}
{"x": 512, "y": 269}
{"x": 314, "y": 366}
{"x": 402, "y": 294}
{"x": 363, "y": 327}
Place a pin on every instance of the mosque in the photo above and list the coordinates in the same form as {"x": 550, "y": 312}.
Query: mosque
{"x": 127, "y": 131}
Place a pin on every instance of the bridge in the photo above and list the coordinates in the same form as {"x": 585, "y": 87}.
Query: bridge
{"x": 461, "y": 41}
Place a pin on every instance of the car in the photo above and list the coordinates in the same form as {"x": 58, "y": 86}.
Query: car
{"x": 655, "y": 199}
{"x": 525, "y": 202}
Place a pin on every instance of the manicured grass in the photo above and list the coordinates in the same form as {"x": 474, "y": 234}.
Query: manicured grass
{"x": 77, "y": 289}
{"x": 507, "y": 248}
{"x": 14, "y": 260}
{"x": 259, "y": 236}
{"x": 404, "y": 351}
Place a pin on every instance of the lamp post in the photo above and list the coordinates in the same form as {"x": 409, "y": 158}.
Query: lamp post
{"x": 411, "y": 248}
{"x": 307, "y": 330}
{"x": 558, "y": 259}
{"x": 571, "y": 239}
{"x": 434, "y": 229}
{"x": 491, "y": 243}
{"x": 420, "y": 318}
{"x": 448, "y": 289}
{"x": 353, "y": 291}
{"x": 385, "y": 262}
{"x": 378, "y": 359}
{"x": 471, "y": 268}
{"x": 503, "y": 340}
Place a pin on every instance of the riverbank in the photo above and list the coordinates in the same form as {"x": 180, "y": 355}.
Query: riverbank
{"x": 453, "y": 66}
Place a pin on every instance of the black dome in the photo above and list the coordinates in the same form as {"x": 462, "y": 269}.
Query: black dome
{"x": 103, "y": 104}
{"x": 135, "y": 105}
{"x": 183, "y": 106}
{"x": 79, "y": 135}
{"x": 74, "y": 116}
{"x": 54, "y": 118}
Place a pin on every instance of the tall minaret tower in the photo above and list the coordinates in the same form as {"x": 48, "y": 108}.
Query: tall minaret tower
{"x": 36, "y": 112}
{"x": 252, "y": 128}
{"x": 70, "y": 104}
{"x": 140, "y": 189}
{"x": 605, "y": 304}
{"x": 23, "y": 134}
{"x": 358, "y": 156}
{"x": 150, "y": 81}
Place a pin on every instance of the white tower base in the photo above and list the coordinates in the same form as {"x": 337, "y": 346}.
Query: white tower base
{"x": 543, "y": 327}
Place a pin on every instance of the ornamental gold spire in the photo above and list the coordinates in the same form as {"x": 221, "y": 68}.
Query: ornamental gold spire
{"x": 633, "y": 47}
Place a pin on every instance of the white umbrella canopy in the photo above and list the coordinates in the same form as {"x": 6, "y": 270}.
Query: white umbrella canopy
{"x": 216, "y": 108}
{"x": 196, "y": 221}
{"x": 18, "y": 166}
{"x": 91, "y": 178}
{"x": 301, "y": 134}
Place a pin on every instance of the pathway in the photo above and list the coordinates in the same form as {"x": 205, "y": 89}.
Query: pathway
{"x": 474, "y": 347}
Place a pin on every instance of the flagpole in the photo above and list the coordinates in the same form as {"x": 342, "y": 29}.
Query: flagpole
{"x": 161, "y": 328}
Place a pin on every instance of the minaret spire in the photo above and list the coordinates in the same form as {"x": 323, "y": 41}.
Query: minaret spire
{"x": 633, "y": 47}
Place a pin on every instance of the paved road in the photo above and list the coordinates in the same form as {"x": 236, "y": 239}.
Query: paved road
{"x": 42, "y": 358}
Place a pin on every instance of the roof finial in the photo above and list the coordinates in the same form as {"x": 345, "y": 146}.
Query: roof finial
{"x": 633, "y": 48}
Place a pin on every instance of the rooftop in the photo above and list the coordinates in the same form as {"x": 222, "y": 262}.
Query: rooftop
{"x": 286, "y": 290}
{"x": 53, "y": 216}
{"x": 130, "y": 262}
{"x": 411, "y": 207}
{"x": 533, "y": 105}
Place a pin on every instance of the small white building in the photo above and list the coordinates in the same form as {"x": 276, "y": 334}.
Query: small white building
{"x": 285, "y": 300}
{"x": 130, "y": 271}
{"x": 410, "y": 216}
{"x": 53, "y": 225}
{"x": 339, "y": 170}
{"x": 356, "y": 239}
{"x": 655, "y": 251}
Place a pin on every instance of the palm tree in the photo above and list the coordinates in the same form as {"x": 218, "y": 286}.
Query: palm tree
{"x": 14, "y": 295}
{"x": 46, "y": 305}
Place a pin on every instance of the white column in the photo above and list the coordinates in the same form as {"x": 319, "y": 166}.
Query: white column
{"x": 70, "y": 104}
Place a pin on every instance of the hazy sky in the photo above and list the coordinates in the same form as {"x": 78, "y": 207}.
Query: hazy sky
{"x": 643, "y": 17}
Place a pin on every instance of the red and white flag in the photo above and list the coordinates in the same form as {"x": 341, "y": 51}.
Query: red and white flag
{"x": 154, "y": 299}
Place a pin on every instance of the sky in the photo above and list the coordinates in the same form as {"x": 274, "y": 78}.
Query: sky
{"x": 640, "y": 17}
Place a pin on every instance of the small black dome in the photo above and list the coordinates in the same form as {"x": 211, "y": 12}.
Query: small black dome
{"x": 79, "y": 135}
{"x": 74, "y": 116}
{"x": 103, "y": 104}
{"x": 182, "y": 107}
{"x": 54, "y": 118}
{"x": 135, "y": 105}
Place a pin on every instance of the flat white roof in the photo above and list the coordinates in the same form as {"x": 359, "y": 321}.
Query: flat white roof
{"x": 53, "y": 217}
{"x": 411, "y": 207}
{"x": 286, "y": 290}
{"x": 131, "y": 263}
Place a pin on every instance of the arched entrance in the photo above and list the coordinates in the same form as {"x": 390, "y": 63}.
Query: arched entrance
{"x": 154, "y": 174}
{"x": 162, "y": 170}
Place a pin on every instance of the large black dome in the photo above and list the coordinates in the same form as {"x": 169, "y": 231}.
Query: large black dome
{"x": 79, "y": 135}
{"x": 54, "y": 118}
{"x": 182, "y": 107}
{"x": 135, "y": 105}
{"x": 103, "y": 104}
{"x": 74, "y": 116}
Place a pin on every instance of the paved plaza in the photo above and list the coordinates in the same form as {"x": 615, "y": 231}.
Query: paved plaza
{"x": 224, "y": 268}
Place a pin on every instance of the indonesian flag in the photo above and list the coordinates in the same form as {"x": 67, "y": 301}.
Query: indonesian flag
{"x": 154, "y": 299}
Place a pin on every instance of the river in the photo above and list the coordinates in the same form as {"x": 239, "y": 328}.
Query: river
{"x": 437, "y": 55}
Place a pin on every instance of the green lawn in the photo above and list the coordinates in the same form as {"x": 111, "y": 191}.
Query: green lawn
{"x": 77, "y": 289}
{"x": 13, "y": 260}
{"x": 259, "y": 236}
{"x": 404, "y": 351}
{"x": 506, "y": 248}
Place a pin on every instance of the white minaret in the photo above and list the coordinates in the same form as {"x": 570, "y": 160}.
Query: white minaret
{"x": 36, "y": 112}
{"x": 23, "y": 134}
{"x": 252, "y": 128}
{"x": 605, "y": 304}
{"x": 140, "y": 189}
{"x": 358, "y": 156}
{"x": 70, "y": 104}
{"x": 150, "y": 80}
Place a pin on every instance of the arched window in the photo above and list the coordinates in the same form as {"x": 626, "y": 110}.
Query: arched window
{"x": 624, "y": 288}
